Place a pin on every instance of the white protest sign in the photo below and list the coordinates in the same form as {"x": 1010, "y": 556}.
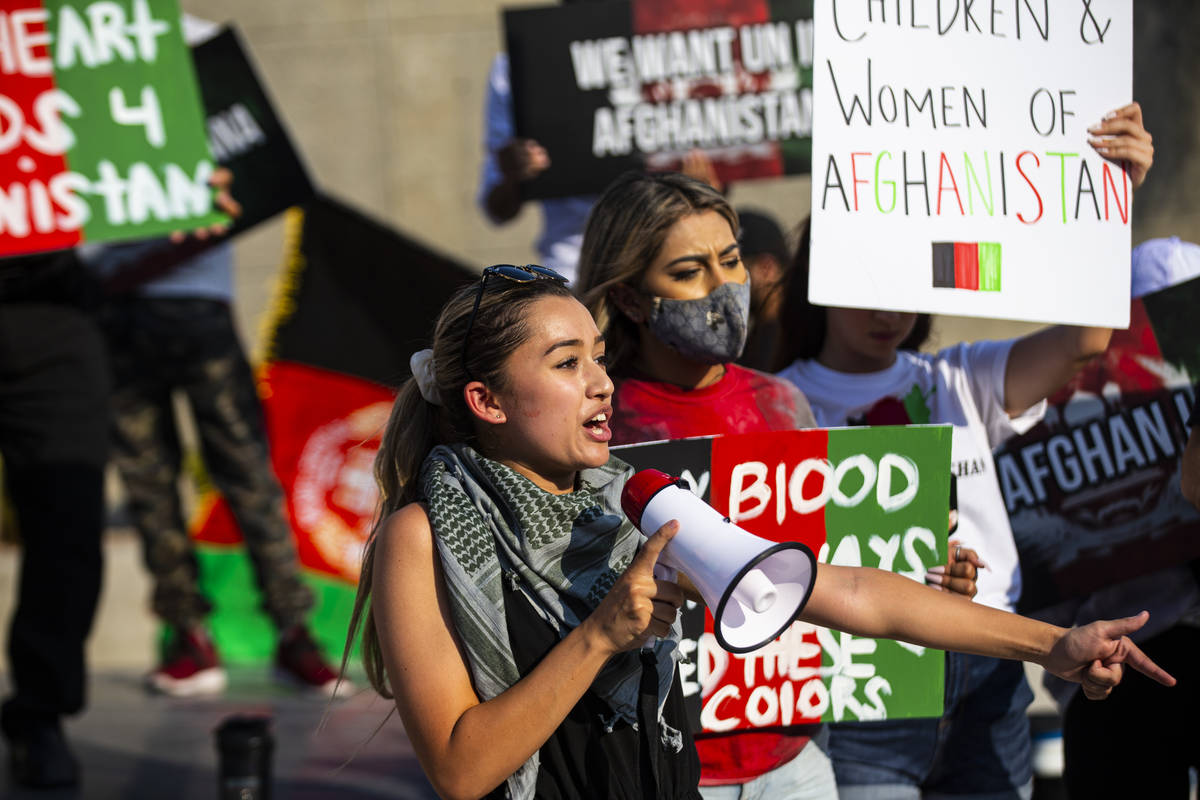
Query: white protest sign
{"x": 951, "y": 166}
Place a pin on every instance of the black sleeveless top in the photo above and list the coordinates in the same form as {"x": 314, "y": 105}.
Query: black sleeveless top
{"x": 582, "y": 759}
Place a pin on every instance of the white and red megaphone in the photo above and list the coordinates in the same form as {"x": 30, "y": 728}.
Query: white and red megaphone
{"x": 754, "y": 587}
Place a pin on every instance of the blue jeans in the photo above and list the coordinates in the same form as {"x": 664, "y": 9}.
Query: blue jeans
{"x": 978, "y": 748}
{"x": 808, "y": 776}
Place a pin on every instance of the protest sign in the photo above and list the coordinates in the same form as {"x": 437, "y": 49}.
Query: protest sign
{"x": 611, "y": 86}
{"x": 951, "y": 166}
{"x": 1093, "y": 491}
{"x": 873, "y": 497}
{"x": 247, "y": 136}
{"x": 101, "y": 133}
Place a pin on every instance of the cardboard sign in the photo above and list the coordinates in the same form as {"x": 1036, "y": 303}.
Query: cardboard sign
{"x": 607, "y": 87}
{"x": 101, "y": 133}
{"x": 1093, "y": 491}
{"x": 875, "y": 497}
{"x": 951, "y": 166}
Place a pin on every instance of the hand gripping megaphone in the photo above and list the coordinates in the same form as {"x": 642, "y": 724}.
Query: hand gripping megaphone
{"x": 754, "y": 587}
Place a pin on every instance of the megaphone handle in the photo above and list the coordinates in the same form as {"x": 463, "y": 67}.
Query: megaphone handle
{"x": 663, "y": 573}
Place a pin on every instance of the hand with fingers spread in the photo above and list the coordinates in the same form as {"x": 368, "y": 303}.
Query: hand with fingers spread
{"x": 638, "y": 606}
{"x": 959, "y": 573}
{"x": 1121, "y": 136}
{"x": 1095, "y": 656}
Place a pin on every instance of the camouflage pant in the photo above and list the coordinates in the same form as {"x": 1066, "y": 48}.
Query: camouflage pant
{"x": 163, "y": 344}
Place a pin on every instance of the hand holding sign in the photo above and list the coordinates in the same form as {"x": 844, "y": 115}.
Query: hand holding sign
{"x": 959, "y": 573}
{"x": 1121, "y": 136}
{"x": 103, "y": 136}
{"x": 522, "y": 159}
{"x": 221, "y": 180}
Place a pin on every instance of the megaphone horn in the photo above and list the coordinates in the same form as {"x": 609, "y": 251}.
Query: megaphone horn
{"x": 754, "y": 587}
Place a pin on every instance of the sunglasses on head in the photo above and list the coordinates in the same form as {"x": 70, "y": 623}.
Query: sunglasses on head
{"x": 525, "y": 274}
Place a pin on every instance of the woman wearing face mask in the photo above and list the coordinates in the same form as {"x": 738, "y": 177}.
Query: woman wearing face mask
{"x": 661, "y": 272}
{"x": 861, "y": 367}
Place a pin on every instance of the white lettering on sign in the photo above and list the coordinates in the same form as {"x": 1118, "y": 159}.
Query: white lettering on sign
{"x": 148, "y": 114}
{"x": 702, "y": 122}
{"x": 1085, "y": 456}
{"x": 98, "y": 35}
{"x": 50, "y": 135}
{"x": 697, "y": 486}
{"x": 780, "y": 683}
{"x": 24, "y": 42}
{"x": 143, "y": 194}
{"x": 48, "y": 205}
{"x": 233, "y": 132}
{"x": 748, "y": 484}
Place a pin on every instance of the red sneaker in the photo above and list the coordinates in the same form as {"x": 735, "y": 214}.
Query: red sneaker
{"x": 299, "y": 662}
{"x": 190, "y": 667}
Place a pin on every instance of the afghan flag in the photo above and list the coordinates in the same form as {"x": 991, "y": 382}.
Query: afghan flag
{"x": 355, "y": 299}
{"x": 102, "y": 136}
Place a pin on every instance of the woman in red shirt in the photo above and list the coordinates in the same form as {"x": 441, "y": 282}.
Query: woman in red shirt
{"x": 661, "y": 273}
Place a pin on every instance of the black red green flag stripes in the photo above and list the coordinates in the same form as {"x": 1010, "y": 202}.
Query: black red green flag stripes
{"x": 355, "y": 299}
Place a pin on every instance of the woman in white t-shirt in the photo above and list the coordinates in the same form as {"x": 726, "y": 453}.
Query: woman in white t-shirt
{"x": 861, "y": 367}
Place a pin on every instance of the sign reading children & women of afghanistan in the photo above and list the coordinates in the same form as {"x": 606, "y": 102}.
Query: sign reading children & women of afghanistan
{"x": 102, "y": 136}
{"x": 632, "y": 84}
{"x": 875, "y": 497}
{"x": 951, "y": 166}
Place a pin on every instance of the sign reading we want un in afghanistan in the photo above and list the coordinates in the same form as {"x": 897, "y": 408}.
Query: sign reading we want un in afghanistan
{"x": 101, "y": 133}
{"x": 951, "y": 166}
{"x": 611, "y": 86}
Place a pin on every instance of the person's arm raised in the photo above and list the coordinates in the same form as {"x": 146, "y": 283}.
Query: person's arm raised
{"x": 468, "y": 747}
{"x": 880, "y": 604}
{"x": 1040, "y": 363}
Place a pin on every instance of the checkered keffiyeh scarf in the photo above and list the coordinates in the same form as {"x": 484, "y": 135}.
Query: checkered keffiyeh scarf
{"x": 564, "y": 552}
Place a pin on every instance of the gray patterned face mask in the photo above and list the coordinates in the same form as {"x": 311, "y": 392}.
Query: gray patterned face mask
{"x": 708, "y": 330}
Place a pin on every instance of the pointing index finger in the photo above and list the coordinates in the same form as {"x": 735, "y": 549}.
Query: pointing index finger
{"x": 653, "y": 546}
{"x": 1135, "y": 658}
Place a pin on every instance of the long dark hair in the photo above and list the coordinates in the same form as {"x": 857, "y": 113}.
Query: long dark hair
{"x": 802, "y": 324}
{"x": 416, "y": 425}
